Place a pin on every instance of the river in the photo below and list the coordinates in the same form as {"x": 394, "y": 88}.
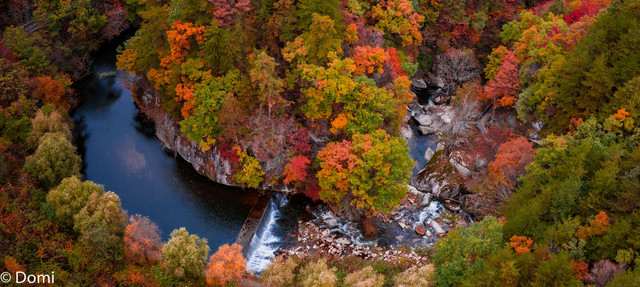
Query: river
{"x": 121, "y": 152}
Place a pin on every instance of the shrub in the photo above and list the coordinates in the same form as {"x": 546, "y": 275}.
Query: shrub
{"x": 70, "y": 197}
{"x": 280, "y": 272}
{"x": 416, "y": 277}
{"x": 54, "y": 160}
{"x": 366, "y": 277}
{"x": 226, "y": 265}
{"x": 317, "y": 274}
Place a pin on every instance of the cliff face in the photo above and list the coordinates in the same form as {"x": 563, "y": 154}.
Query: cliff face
{"x": 208, "y": 163}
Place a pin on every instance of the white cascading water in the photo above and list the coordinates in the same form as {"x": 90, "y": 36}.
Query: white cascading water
{"x": 265, "y": 242}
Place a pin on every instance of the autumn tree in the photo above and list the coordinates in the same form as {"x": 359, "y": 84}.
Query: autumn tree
{"x": 316, "y": 44}
{"x": 70, "y": 197}
{"x": 265, "y": 79}
{"x": 396, "y": 17}
{"x": 296, "y": 170}
{"x": 226, "y": 265}
{"x": 364, "y": 277}
{"x": 502, "y": 89}
{"x": 13, "y": 82}
{"x": 184, "y": 256}
{"x": 101, "y": 223}
{"x": 51, "y": 122}
{"x": 51, "y": 91}
{"x": 369, "y": 172}
{"x": 511, "y": 160}
{"x": 251, "y": 173}
{"x": 456, "y": 67}
{"x": 368, "y": 59}
{"x": 226, "y": 11}
{"x": 54, "y": 160}
{"x": 305, "y": 10}
{"x": 317, "y": 274}
{"x": 141, "y": 240}
{"x": 116, "y": 21}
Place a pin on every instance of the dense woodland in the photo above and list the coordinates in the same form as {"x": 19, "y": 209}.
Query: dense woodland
{"x": 314, "y": 95}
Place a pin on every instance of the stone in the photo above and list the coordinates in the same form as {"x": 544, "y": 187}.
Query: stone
{"x": 436, "y": 227}
{"x": 429, "y": 234}
{"x": 439, "y": 147}
{"x": 402, "y": 225}
{"x": 329, "y": 239}
{"x": 414, "y": 191}
{"x": 343, "y": 241}
{"x": 330, "y": 220}
{"x": 419, "y": 83}
{"x": 424, "y": 120}
{"x": 462, "y": 170}
{"x": 426, "y": 199}
{"x": 419, "y": 229}
{"x": 425, "y": 130}
{"x": 406, "y": 132}
{"x": 428, "y": 154}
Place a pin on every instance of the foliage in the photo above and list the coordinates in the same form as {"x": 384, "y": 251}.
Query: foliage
{"x": 463, "y": 251}
{"x": 70, "y": 197}
{"x": 226, "y": 265}
{"x": 50, "y": 91}
{"x": 367, "y": 277}
{"x": 54, "y": 160}
{"x": 141, "y": 240}
{"x": 296, "y": 170}
{"x": 41, "y": 124}
{"x": 510, "y": 160}
{"x": 416, "y": 276}
{"x": 280, "y": 272}
{"x": 396, "y": 17}
{"x": 13, "y": 82}
{"x": 369, "y": 172}
{"x": 317, "y": 274}
{"x": 251, "y": 173}
{"x": 502, "y": 89}
{"x": 184, "y": 256}
{"x": 101, "y": 223}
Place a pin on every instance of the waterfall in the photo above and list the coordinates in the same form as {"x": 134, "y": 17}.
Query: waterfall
{"x": 268, "y": 236}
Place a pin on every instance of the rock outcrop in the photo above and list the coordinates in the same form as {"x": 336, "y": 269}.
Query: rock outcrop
{"x": 208, "y": 163}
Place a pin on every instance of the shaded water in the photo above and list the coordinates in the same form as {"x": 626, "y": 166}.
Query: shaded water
{"x": 121, "y": 152}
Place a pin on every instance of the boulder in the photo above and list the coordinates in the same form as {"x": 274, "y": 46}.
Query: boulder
{"x": 420, "y": 230}
{"x": 429, "y": 154}
{"x": 436, "y": 227}
{"x": 427, "y": 130}
{"x": 424, "y": 120}
{"x": 330, "y": 220}
{"x": 426, "y": 199}
{"x": 406, "y": 132}
{"x": 419, "y": 83}
{"x": 439, "y": 147}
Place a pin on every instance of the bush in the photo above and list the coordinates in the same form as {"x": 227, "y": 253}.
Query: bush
{"x": 280, "y": 272}
{"x": 184, "y": 256}
{"x": 366, "y": 277}
{"x": 416, "y": 277}
{"x": 70, "y": 197}
{"x": 54, "y": 160}
{"x": 226, "y": 265}
{"x": 317, "y": 274}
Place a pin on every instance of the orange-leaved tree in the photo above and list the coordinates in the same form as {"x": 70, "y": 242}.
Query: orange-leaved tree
{"x": 226, "y": 265}
{"x": 141, "y": 240}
